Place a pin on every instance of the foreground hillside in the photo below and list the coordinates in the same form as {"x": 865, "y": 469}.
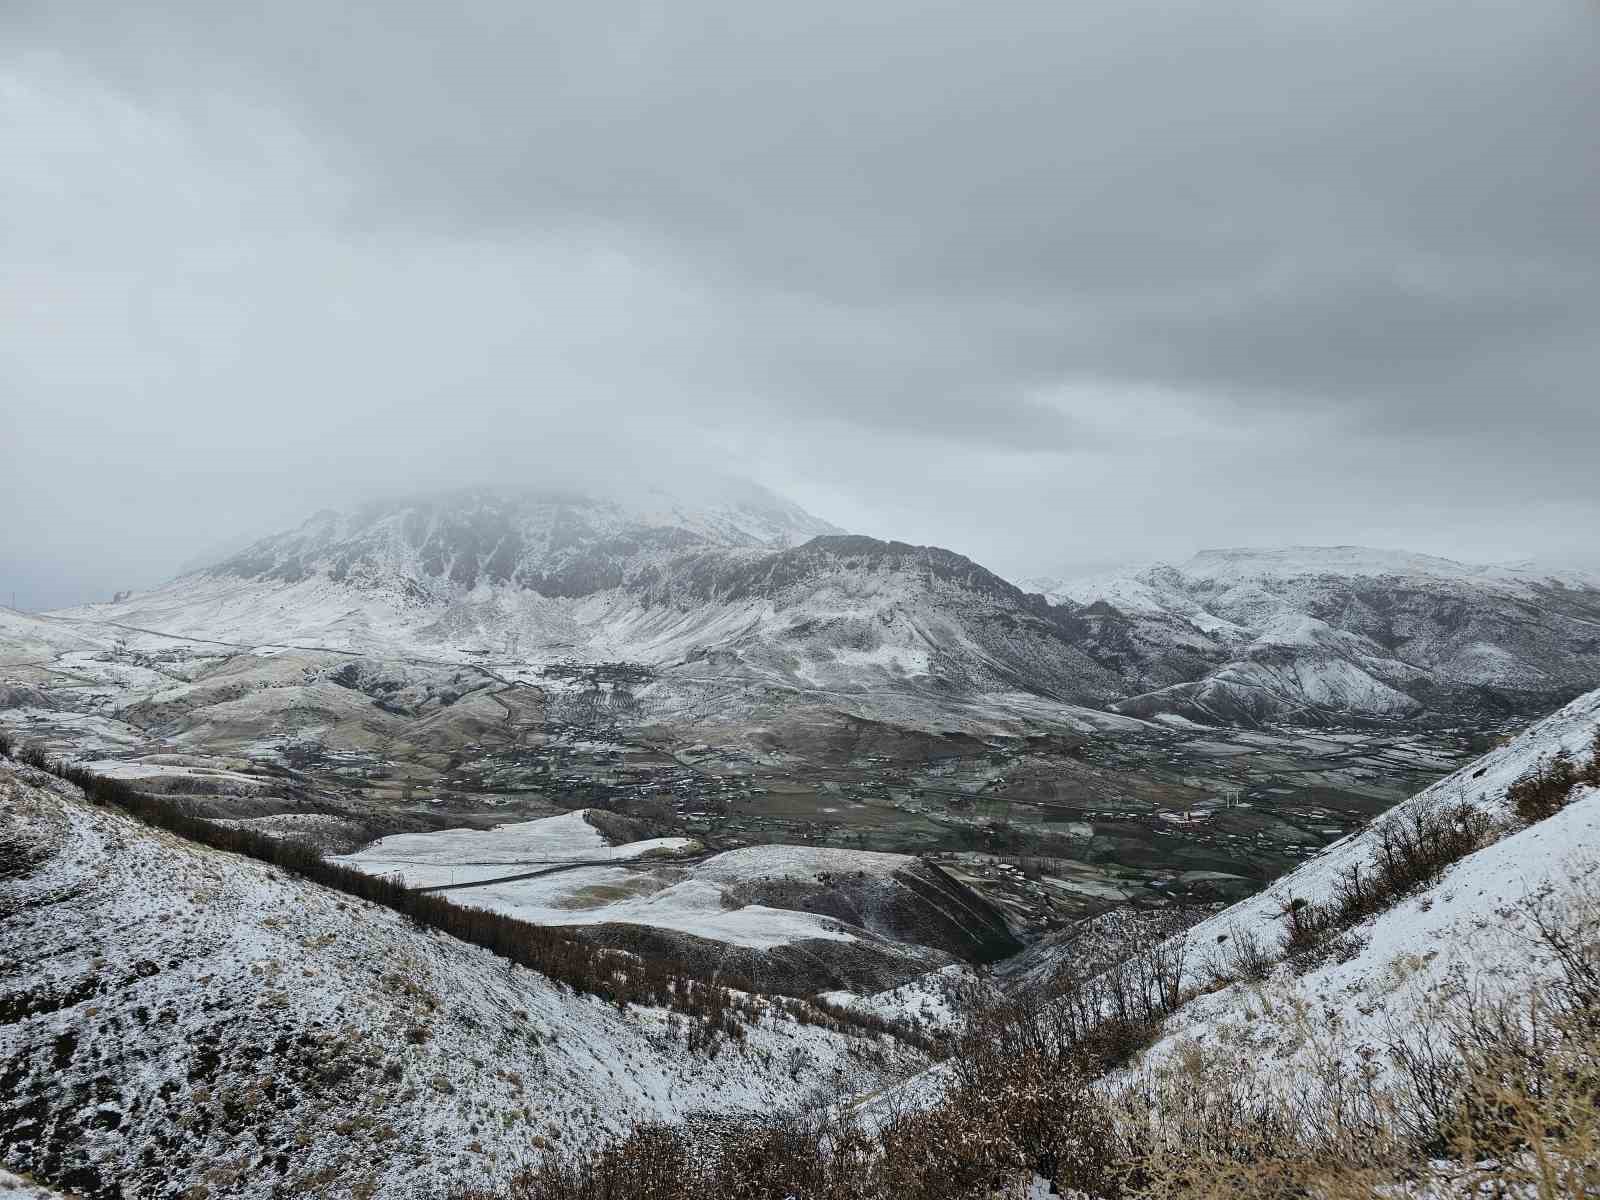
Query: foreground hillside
{"x": 178, "y": 1020}
{"x": 1412, "y": 1013}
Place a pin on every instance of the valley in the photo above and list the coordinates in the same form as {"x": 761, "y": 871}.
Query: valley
{"x": 515, "y": 825}
{"x": 1049, "y": 825}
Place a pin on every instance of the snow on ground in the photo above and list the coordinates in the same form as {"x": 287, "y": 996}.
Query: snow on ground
{"x": 71, "y": 732}
{"x": 806, "y": 864}
{"x": 295, "y": 825}
{"x": 26, "y": 638}
{"x": 1470, "y": 930}
{"x": 931, "y": 1002}
{"x": 602, "y": 895}
{"x": 214, "y": 1011}
{"x": 14, "y": 1187}
{"x": 454, "y": 856}
{"x": 144, "y": 772}
{"x": 577, "y": 887}
{"x": 1482, "y": 783}
{"x": 1470, "y": 935}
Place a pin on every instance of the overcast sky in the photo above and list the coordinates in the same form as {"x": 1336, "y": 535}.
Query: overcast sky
{"x": 1048, "y": 283}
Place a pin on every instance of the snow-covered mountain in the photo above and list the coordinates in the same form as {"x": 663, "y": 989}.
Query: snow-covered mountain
{"x": 748, "y": 588}
{"x": 732, "y": 588}
{"x": 1329, "y": 633}
{"x": 558, "y": 543}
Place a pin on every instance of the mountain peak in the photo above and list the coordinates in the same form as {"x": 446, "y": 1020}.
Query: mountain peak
{"x": 559, "y": 540}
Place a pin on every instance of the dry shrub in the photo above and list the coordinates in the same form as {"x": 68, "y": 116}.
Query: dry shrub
{"x": 1242, "y": 955}
{"x": 1411, "y": 849}
{"x": 1416, "y": 845}
{"x": 1548, "y": 788}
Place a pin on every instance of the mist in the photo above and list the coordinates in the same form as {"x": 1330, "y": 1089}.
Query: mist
{"x": 1054, "y": 286}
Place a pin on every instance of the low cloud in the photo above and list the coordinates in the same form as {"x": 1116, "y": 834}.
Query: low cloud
{"x": 1042, "y": 283}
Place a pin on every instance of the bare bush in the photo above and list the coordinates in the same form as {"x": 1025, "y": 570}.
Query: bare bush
{"x": 1242, "y": 955}
{"x": 1548, "y": 788}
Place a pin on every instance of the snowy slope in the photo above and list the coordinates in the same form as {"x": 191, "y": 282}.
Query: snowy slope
{"x": 466, "y": 855}
{"x": 1483, "y": 783}
{"x": 1467, "y": 931}
{"x": 172, "y": 1017}
{"x": 558, "y": 871}
{"x": 25, "y": 638}
{"x": 1319, "y": 1023}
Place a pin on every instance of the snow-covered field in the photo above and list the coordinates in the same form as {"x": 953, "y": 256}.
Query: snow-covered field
{"x": 653, "y": 900}
{"x": 452, "y": 856}
{"x": 810, "y": 864}
{"x": 650, "y": 891}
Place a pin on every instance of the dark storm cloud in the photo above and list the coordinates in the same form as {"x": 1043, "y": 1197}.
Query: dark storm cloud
{"x": 1028, "y": 256}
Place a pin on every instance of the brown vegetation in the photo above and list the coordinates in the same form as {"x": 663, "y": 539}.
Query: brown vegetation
{"x": 1412, "y": 848}
{"x": 1548, "y": 788}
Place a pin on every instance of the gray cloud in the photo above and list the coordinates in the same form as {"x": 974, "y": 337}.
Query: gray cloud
{"x": 1037, "y": 281}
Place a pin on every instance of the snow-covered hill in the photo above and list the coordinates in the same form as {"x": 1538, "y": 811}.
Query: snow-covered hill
{"x": 1330, "y": 633}
{"x": 1469, "y": 934}
{"x": 816, "y": 916}
{"x": 1303, "y": 1021}
{"x": 175, "y": 1020}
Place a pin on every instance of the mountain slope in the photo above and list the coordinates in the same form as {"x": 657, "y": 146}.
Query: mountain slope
{"x": 1323, "y": 634}
{"x": 1470, "y": 935}
{"x": 1311, "y": 1023}
{"x": 177, "y": 1020}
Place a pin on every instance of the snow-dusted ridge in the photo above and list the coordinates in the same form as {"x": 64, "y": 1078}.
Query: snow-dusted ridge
{"x": 759, "y": 595}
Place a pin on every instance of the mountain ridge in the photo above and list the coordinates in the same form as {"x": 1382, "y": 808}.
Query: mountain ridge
{"x": 771, "y": 596}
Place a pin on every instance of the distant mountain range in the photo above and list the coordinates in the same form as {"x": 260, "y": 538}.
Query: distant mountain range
{"x": 1315, "y": 634}
{"x": 738, "y": 585}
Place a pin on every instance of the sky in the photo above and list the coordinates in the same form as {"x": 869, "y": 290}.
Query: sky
{"x": 1055, "y": 285}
